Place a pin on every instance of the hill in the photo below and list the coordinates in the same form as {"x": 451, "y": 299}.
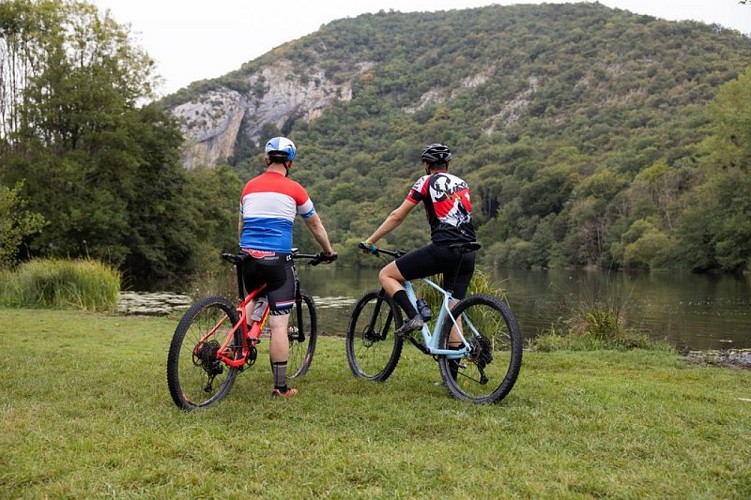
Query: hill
{"x": 578, "y": 126}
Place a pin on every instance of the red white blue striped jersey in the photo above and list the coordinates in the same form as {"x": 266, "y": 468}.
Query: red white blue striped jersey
{"x": 269, "y": 204}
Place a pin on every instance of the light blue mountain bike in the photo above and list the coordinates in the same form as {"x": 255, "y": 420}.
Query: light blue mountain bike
{"x": 477, "y": 342}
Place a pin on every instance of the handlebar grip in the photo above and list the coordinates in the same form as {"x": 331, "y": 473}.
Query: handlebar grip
{"x": 231, "y": 257}
{"x": 372, "y": 249}
{"x": 322, "y": 257}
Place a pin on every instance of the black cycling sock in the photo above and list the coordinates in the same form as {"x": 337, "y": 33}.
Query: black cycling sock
{"x": 454, "y": 363}
{"x": 401, "y": 298}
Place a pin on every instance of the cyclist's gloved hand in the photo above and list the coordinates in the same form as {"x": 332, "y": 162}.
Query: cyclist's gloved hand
{"x": 324, "y": 257}
{"x": 328, "y": 257}
{"x": 367, "y": 247}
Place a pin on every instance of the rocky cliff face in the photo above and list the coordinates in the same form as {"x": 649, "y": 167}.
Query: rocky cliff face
{"x": 213, "y": 122}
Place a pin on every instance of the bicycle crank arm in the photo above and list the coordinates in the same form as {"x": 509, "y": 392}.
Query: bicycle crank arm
{"x": 419, "y": 345}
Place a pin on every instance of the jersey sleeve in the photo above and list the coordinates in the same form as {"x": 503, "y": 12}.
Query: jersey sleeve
{"x": 304, "y": 204}
{"x": 419, "y": 190}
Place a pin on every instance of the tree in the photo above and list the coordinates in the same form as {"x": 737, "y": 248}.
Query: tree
{"x": 729, "y": 144}
{"x": 16, "y": 223}
{"x": 714, "y": 232}
{"x": 63, "y": 66}
{"x": 104, "y": 172}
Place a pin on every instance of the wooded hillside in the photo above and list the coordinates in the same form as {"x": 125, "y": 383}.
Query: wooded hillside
{"x": 584, "y": 131}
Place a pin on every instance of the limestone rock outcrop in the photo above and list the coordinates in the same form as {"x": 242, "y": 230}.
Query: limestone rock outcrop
{"x": 213, "y": 122}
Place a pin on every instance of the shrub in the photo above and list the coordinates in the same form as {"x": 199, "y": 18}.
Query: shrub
{"x": 598, "y": 327}
{"x": 61, "y": 284}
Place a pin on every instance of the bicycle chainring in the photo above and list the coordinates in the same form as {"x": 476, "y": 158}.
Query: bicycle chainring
{"x": 252, "y": 355}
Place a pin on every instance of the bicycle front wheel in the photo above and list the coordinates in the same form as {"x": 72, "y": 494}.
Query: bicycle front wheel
{"x": 492, "y": 367}
{"x": 302, "y": 333}
{"x": 372, "y": 348}
{"x": 196, "y": 378}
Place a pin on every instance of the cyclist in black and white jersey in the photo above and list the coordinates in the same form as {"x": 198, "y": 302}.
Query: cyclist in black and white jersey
{"x": 446, "y": 199}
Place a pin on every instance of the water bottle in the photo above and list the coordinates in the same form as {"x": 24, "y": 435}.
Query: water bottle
{"x": 424, "y": 309}
{"x": 260, "y": 306}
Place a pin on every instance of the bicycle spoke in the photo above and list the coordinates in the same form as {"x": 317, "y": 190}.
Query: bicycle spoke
{"x": 372, "y": 348}
{"x": 489, "y": 372}
{"x": 302, "y": 333}
{"x": 196, "y": 378}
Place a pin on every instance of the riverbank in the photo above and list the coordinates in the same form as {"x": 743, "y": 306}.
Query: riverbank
{"x": 152, "y": 303}
{"x": 167, "y": 303}
{"x": 731, "y": 358}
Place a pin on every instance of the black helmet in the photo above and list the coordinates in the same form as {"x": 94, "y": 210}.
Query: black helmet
{"x": 436, "y": 154}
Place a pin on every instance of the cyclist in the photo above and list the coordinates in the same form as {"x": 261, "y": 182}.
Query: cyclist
{"x": 268, "y": 206}
{"x": 449, "y": 212}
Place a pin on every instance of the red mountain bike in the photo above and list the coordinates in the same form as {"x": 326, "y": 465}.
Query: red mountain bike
{"x": 213, "y": 343}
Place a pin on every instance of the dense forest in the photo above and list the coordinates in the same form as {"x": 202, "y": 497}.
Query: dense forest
{"x": 589, "y": 136}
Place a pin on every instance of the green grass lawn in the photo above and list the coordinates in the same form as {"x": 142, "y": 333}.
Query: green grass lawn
{"x": 86, "y": 413}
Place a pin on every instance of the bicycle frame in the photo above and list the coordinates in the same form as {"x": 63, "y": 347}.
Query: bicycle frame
{"x": 431, "y": 339}
{"x": 250, "y": 336}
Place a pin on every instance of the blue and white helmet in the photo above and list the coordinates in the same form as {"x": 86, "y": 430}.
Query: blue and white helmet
{"x": 281, "y": 148}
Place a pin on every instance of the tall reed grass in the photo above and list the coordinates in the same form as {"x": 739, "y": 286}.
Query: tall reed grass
{"x": 61, "y": 284}
{"x": 480, "y": 283}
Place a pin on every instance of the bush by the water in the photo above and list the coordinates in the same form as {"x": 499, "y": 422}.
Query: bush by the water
{"x": 597, "y": 326}
{"x": 61, "y": 284}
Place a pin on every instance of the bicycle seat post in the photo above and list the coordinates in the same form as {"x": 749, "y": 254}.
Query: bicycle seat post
{"x": 239, "y": 270}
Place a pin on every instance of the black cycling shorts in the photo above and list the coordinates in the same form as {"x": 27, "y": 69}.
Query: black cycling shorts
{"x": 456, "y": 267}
{"x": 278, "y": 272}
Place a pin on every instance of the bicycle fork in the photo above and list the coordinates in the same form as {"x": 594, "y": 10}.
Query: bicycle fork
{"x": 297, "y": 331}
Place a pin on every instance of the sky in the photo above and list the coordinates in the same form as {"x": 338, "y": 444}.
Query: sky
{"x": 199, "y": 40}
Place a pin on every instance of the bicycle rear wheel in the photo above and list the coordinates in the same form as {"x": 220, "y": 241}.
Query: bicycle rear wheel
{"x": 196, "y": 378}
{"x": 302, "y": 333}
{"x": 372, "y": 348}
{"x": 491, "y": 369}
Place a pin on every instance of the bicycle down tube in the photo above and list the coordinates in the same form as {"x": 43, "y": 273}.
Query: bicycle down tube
{"x": 431, "y": 339}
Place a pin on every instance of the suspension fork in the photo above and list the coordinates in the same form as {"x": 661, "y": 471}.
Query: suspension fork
{"x": 299, "y": 313}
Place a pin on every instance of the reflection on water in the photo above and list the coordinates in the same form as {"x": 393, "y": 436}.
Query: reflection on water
{"x": 689, "y": 310}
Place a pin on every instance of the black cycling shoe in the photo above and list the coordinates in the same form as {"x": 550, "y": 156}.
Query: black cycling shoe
{"x": 409, "y": 327}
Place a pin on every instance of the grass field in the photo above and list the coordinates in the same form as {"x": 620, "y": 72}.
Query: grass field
{"x": 86, "y": 413}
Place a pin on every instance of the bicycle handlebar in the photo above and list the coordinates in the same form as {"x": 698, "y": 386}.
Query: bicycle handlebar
{"x": 377, "y": 251}
{"x": 315, "y": 258}
{"x": 465, "y": 247}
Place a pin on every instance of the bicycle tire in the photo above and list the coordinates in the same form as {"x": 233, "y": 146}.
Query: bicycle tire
{"x": 302, "y": 347}
{"x": 194, "y": 377}
{"x": 373, "y": 350}
{"x": 490, "y": 371}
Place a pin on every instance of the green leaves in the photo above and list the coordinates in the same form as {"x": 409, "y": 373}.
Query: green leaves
{"x": 16, "y": 223}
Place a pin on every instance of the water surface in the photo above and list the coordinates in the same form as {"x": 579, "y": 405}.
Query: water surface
{"x": 689, "y": 310}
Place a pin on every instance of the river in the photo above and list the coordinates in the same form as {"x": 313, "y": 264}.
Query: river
{"x": 691, "y": 311}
